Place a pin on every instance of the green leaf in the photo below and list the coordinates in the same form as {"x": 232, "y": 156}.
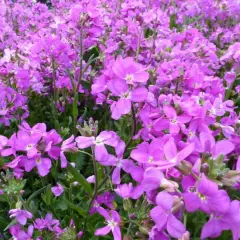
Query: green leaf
{"x": 35, "y": 194}
{"x": 61, "y": 204}
{"x": 75, "y": 106}
{"x": 13, "y": 222}
{"x": 73, "y": 206}
{"x": 173, "y": 23}
{"x": 80, "y": 179}
{"x": 48, "y": 196}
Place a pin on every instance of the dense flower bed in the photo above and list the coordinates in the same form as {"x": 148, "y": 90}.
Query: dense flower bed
{"x": 119, "y": 119}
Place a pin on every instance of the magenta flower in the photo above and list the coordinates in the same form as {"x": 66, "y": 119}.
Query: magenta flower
{"x": 124, "y": 190}
{"x": 125, "y": 164}
{"x": 27, "y": 143}
{"x": 163, "y": 158}
{"x": 19, "y": 234}
{"x": 174, "y": 122}
{"x": 164, "y": 218}
{"x": 206, "y": 197}
{"x": 130, "y": 71}
{"x": 120, "y": 89}
{"x": 21, "y": 215}
{"x": 149, "y": 153}
{"x": 113, "y": 221}
{"x": 43, "y": 164}
{"x": 47, "y": 223}
{"x": 105, "y": 137}
{"x": 67, "y": 146}
{"x": 209, "y": 145}
{"x": 219, "y": 222}
{"x": 57, "y": 190}
{"x": 3, "y": 142}
{"x": 154, "y": 179}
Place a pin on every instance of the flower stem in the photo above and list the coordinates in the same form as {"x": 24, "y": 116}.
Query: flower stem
{"x": 134, "y": 127}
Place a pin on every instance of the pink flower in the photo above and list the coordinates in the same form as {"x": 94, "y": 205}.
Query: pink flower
{"x": 174, "y": 122}
{"x": 19, "y": 234}
{"x": 69, "y": 145}
{"x": 43, "y": 164}
{"x": 113, "y": 221}
{"x": 106, "y": 137}
{"x": 164, "y": 156}
{"x": 57, "y": 190}
{"x": 121, "y": 89}
{"x": 130, "y": 71}
{"x": 21, "y": 215}
{"x": 164, "y": 218}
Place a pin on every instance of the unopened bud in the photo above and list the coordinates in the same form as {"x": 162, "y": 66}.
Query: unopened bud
{"x": 185, "y": 236}
{"x": 143, "y": 230}
{"x": 73, "y": 164}
{"x": 75, "y": 184}
{"x": 185, "y": 167}
{"x": 126, "y": 237}
{"x": 169, "y": 185}
{"x": 177, "y": 205}
{"x": 131, "y": 216}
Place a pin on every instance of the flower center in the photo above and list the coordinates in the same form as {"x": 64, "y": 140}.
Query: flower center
{"x": 99, "y": 141}
{"x": 29, "y": 146}
{"x": 191, "y": 134}
{"x": 125, "y": 95}
{"x": 38, "y": 161}
{"x": 201, "y": 196}
{"x": 150, "y": 159}
{"x": 129, "y": 78}
{"x": 111, "y": 224}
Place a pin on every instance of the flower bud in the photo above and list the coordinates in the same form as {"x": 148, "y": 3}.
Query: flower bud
{"x": 127, "y": 204}
{"x": 185, "y": 167}
{"x": 169, "y": 185}
{"x": 143, "y": 230}
{"x": 177, "y": 205}
{"x": 126, "y": 237}
{"x": 185, "y": 236}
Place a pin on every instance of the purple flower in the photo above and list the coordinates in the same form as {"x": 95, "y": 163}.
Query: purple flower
{"x": 67, "y": 146}
{"x": 130, "y": 71}
{"x": 206, "y": 197}
{"x": 28, "y": 143}
{"x": 113, "y": 221}
{"x": 164, "y": 218}
{"x": 223, "y": 221}
{"x": 105, "y": 137}
{"x": 124, "y": 190}
{"x": 173, "y": 121}
{"x": 164, "y": 156}
{"x": 125, "y": 164}
{"x": 21, "y": 215}
{"x": 19, "y": 234}
{"x": 154, "y": 178}
{"x": 121, "y": 89}
{"x": 48, "y": 222}
{"x": 43, "y": 164}
{"x": 57, "y": 190}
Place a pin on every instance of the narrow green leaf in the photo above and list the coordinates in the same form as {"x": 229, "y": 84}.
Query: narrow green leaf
{"x": 75, "y": 107}
{"x": 13, "y": 222}
{"x": 73, "y": 206}
{"x": 35, "y": 194}
{"x": 80, "y": 179}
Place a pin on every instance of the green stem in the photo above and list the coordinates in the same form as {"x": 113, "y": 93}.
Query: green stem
{"x": 134, "y": 127}
{"x": 95, "y": 192}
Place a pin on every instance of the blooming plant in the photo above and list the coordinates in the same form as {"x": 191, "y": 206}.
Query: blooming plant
{"x": 119, "y": 119}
